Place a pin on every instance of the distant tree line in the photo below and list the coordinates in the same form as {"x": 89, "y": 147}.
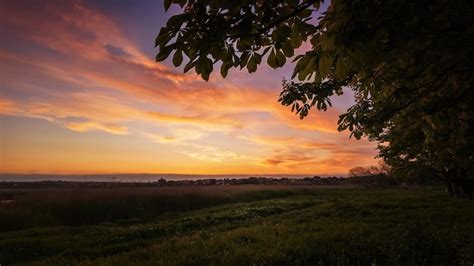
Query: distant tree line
{"x": 371, "y": 176}
{"x": 383, "y": 175}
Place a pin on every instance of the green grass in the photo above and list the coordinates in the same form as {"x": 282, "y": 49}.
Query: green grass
{"x": 88, "y": 206}
{"x": 274, "y": 227}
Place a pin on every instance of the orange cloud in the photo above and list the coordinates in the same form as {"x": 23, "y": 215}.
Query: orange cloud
{"x": 178, "y": 136}
{"x": 211, "y": 122}
{"x": 8, "y": 107}
{"x": 88, "y": 126}
{"x": 316, "y": 156}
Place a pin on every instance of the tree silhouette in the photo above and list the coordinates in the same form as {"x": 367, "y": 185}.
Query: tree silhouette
{"x": 409, "y": 63}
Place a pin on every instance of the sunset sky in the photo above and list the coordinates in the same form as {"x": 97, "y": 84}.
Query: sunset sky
{"x": 80, "y": 92}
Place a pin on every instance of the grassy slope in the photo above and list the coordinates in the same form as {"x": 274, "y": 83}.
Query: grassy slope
{"x": 335, "y": 227}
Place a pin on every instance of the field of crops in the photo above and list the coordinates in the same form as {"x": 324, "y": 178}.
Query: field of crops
{"x": 237, "y": 225}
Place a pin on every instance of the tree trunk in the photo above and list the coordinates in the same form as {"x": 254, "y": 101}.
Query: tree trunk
{"x": 461, "y": 188}
{"x": 449, "y": 188}
{"x": 458, "y": 184}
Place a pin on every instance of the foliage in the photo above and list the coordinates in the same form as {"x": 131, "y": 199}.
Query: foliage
{"x": 375, "y": 175}
{"x": 381, "y": 169}
{"x": 307, "y": 227}
{"x": 409, "y": 64}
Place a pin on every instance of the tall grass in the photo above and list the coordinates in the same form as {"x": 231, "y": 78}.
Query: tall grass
{"x": 295, "y": 227}
{"x": 86, "y": 206}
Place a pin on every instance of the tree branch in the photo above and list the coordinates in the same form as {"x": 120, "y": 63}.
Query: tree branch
{"x": 276, "y": 22}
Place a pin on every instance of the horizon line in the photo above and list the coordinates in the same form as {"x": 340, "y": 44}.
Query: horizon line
{"x": 175, "y": 174}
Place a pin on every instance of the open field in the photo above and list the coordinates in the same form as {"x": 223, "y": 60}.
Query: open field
{"x": 27, "y": 208}
{"x": 241, "y": 225}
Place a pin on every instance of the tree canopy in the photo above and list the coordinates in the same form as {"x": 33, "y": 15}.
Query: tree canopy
{"x": 409, "y": 64}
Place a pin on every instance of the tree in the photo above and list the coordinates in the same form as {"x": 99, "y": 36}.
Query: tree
{"x": 374, "y": 175}
{"x": 381, "y": 169}
{"x": 409, "y": 64}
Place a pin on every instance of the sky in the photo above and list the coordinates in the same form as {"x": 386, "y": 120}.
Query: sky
{"x": 80, "y": 92}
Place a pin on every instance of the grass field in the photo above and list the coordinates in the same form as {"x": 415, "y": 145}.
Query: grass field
{"x": 242, "y": 225}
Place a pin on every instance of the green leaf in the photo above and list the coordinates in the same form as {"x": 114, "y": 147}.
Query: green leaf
{"x": 163, "y": 54}
{"x": 176, "y": 21}
{"x": 309, "y": 68}
{"x": 284, "y": 31}
{"x": 271, "y": 60}
{"x": 204, "y": 67}
{"x": 325, "y": 64}
{"x": 327, "y": 43}
{"x": 244, "y": 58}
{"x": 205, "y": 75}
{"x": 162, "y": 36}
{"x": 305, "y": 13}
{"x": 189, "y": 65}
{"x": 224, "y": 69}
{"x": 298, "y": 57}
{"x": 355, "y": 60}
{"x": 167, "y": 4}
{"x": 177, "y": 58}
{"x": 341, "y": 68}
{"x": 258, "y": 58}
{"x": 281, "y": 33}
{"x": 287, "y": 49}
{"x": 280, "y": 58}
{"x": 252, "y": 65}
{"x": 296, "y": 40}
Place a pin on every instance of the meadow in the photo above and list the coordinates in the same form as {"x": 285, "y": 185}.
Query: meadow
{"x": 236, "y": 225}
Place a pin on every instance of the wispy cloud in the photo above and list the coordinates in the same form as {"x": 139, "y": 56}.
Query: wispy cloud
{"x": 88, "y": 126}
